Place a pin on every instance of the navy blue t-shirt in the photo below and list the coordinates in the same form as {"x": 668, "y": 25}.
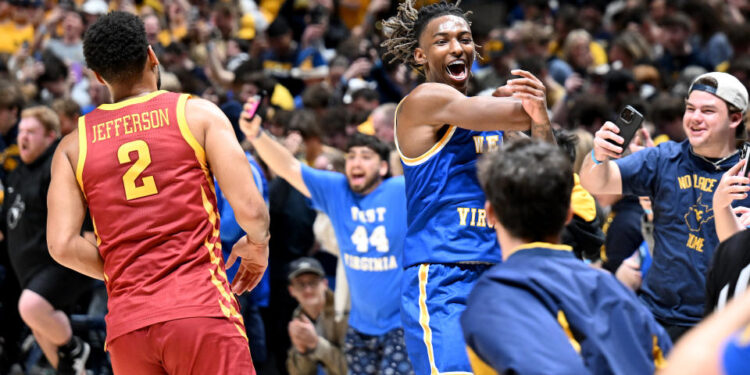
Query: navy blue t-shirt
{"x": 681, "y": 186}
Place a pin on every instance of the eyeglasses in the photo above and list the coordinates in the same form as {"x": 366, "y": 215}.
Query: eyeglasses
{"x": 302, "y": 285}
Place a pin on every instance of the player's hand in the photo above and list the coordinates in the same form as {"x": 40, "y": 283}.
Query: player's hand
{"x": 252, "y": 266}
{"x": 731, "y": 187}
{"x": 602, "y": 148}
{"x": 250, "y": 126}
{"x": 629, "y": 273}
{"x": 503, "y": 91}
{"x": 532, "y": 93}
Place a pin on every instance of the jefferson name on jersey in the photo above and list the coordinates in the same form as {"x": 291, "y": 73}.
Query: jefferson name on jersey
{"x": 130, "y": 123}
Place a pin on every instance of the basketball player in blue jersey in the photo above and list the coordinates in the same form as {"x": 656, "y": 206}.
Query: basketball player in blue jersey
{"x": 368, "y": 213}
{"x": 440, "y": 133}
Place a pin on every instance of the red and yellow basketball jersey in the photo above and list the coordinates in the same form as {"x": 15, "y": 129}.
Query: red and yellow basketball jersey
{"x": 151, "y": 197}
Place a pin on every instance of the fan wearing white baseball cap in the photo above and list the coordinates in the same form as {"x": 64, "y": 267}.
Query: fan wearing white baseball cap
{"x": 680, "y": 178}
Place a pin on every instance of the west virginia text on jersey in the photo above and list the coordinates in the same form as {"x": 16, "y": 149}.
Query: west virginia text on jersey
{"x": 445, "y": 204}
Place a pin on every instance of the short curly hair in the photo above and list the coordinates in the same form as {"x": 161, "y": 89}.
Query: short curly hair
{"x": 115, "y": 46}
{"x": 403, "y": 30}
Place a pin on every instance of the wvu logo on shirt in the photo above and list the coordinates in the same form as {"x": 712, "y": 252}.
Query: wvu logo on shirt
{"x": 698, "y": 215}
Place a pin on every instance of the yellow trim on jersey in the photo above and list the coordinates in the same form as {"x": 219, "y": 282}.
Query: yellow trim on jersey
{"x": 424, "y": 316}
{"x": 479, "y": 366}
{"x": 96, "y": 232}
{"x": 82, "y": 148}
{"x": 432, "y": 151}
{"x": 545, "y": 245}
{"x": 659, "y": 361}
{"x": 227, "y": 308}
{"x": 200, "y": 153}
{"x": 131, "y": 101}
{"x": 566, "y": 328}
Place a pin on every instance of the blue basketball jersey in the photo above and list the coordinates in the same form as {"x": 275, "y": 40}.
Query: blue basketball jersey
{"x": 445, "y": 204}
{"x": 735, "y": 359}
{"x": 370, "y": 231}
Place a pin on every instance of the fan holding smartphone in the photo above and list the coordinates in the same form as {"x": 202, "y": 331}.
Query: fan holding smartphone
{"x": 628, "y": 123}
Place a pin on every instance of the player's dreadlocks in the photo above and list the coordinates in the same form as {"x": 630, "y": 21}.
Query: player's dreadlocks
{"x": 403, "y": 29}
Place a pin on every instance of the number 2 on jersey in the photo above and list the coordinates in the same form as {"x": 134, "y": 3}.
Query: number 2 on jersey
{"x": 128, "y": 179}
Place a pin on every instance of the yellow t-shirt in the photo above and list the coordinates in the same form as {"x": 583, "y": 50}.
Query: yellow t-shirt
{"x": 13, "y": 37}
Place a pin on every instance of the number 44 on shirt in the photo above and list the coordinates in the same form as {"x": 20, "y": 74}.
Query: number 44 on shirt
{"x": 377, "y": 239}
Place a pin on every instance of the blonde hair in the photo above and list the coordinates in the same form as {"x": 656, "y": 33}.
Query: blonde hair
{"x": 46, "y": 116}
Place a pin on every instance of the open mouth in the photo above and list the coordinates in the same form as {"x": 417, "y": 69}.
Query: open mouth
{"x": 457, "y": 70}
{"x": 357, "y": 178}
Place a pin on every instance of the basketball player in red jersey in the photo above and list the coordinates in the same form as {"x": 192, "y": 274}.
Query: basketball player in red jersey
{"x": 141, "y": 165}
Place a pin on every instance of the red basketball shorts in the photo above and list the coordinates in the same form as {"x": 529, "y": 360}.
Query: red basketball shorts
{"x": 191, "y": 346}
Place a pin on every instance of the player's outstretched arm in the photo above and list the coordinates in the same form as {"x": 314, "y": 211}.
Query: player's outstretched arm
{"x": 66, "y": 211}
{"x": 227, "y": 161}
{"x": 601, "y": 175}
{"x": 276, "y": 156}
{"x": 437, "y": 104}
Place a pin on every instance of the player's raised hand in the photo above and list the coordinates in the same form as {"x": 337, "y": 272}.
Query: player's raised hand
{"x": 254, "y": 261}
{"x": 602, "y": 147}
{"x": 532, "y": 93}
{"x": 731, "y": 187}
{"x": 250, "y": 126}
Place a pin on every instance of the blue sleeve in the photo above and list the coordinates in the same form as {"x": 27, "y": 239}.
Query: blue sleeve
{"x": 325, "y": 188}
{"x": 521, "y": 337}
{"x": 638, "y": 171}
{"x": 735, "y": 358}
{"x": 258, "y": 176}
{"x": 230, "y": 230}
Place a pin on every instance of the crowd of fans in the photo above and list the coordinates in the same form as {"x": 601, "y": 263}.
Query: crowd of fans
{"x": 319, "y": 65}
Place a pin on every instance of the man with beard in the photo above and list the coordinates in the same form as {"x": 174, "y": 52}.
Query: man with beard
{"x": 49, "y": 289}
{"x": 368, "y": 213}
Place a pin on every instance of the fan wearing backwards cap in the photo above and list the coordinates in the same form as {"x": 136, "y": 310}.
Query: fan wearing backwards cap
{"x": 680, "y": 178}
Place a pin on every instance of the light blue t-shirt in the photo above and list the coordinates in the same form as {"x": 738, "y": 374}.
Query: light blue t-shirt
{"x": 370, "y": 231}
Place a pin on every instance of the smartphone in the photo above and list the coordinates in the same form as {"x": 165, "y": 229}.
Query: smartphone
{"x": 629, "y": 121}
{"x": 252, "y": 111}
{"x": 745, "y": 154}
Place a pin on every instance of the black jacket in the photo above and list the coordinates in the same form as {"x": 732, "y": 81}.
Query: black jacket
{"x": 25, "y": 216}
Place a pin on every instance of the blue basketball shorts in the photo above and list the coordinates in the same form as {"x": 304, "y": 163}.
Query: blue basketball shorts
{"x": 432, "y": 300}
